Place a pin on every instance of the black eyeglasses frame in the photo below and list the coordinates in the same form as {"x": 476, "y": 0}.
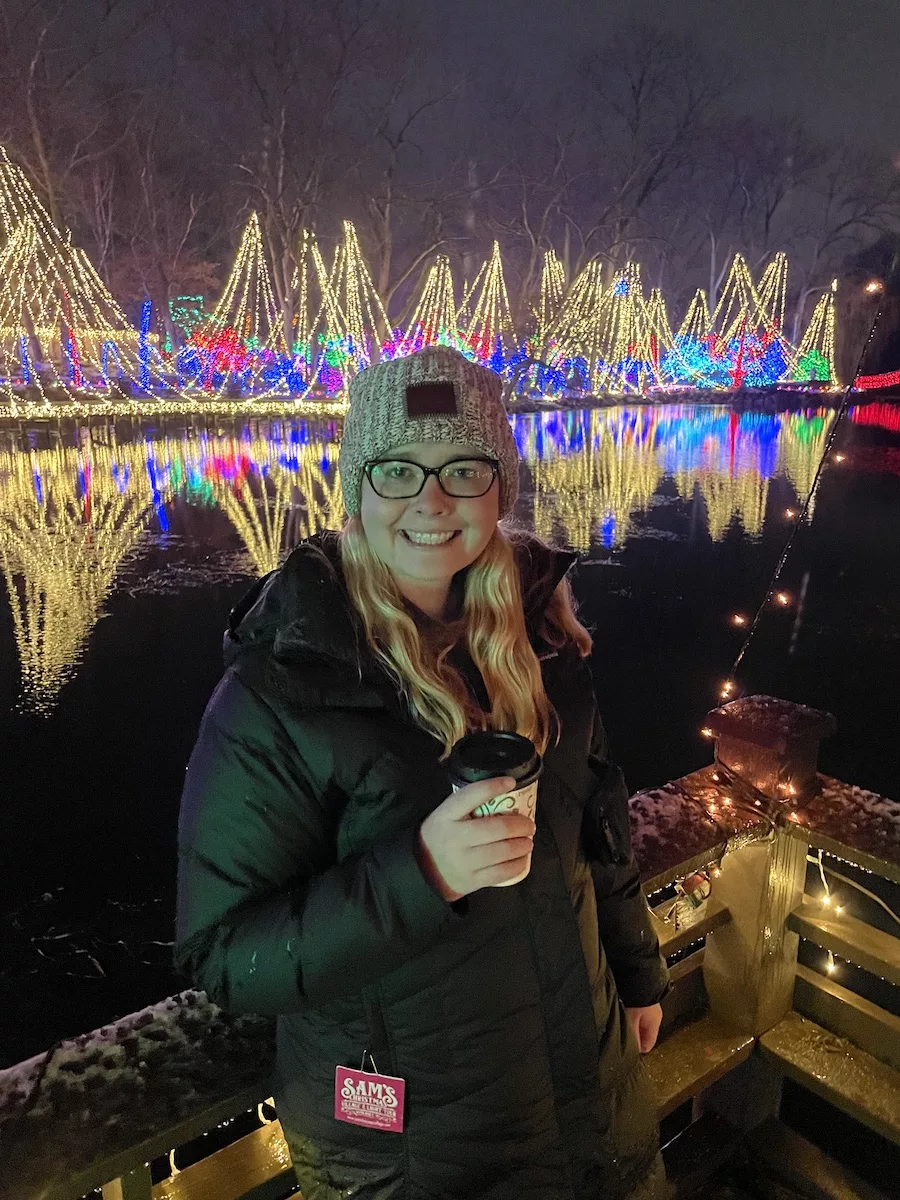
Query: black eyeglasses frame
{"x": 494, "y": 464}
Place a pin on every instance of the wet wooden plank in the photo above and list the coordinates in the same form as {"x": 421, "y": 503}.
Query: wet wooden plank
{"x": 843, "y": 1012}
{"x": 838, "y": 1071}
{"x": 260, "y": 1158}
{"x": 697, "y": 1153}
{"x": 686, "y": 999}
{"x": 136, "y": 1185}
{"x": 672, "y": 940}
{"x": 686, "y": 967}
{"x": 114, "y": 1165}
{"x": 800, "y": 1162}
{"x": 853, "y": 940}
{"x": 692, "y": 1058}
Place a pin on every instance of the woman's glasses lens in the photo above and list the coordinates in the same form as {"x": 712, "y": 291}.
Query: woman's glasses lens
{"x": 398, "y": 480}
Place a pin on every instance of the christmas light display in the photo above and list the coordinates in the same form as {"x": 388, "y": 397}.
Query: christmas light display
{"x": 434, "y": 317}
{"x": 801, "y": 447}
{"x": 69, "y": 517}
{"x": 489, "y": 329}
{"x": 696, "y": 324}
{"x": 57, "y": 318}
{"x": 186, "y": 312}
{"x": 553, "y": 287}
{"x": 577, "y": 331}
{"x": 365, "y": 321}
{"x": 890, "y": 379}
{"x": 247, "y": 304}
{"x": 885, "y": 416}
{"x": 304, "y": 321}
{"x": 814, "y": 359}
{"x": 62, "y": 336}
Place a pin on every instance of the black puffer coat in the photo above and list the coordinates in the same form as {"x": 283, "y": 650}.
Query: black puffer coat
{"x": 299, "y": 894}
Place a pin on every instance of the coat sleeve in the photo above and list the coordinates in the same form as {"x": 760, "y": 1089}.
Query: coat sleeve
{"x": 266, "y": 920}
{"x": 629, "y": 941}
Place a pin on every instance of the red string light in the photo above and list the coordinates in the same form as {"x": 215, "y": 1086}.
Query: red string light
{"x": 890, "y": 379}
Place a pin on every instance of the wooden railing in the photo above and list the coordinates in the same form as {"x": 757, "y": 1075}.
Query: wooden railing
{"x": 740, "y": 1016}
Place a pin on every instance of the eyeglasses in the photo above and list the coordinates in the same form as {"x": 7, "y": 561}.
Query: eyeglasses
{"x": 463, "y": 478}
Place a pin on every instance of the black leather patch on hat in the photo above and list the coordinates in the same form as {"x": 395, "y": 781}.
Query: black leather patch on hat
{"x": 431, "y": 400}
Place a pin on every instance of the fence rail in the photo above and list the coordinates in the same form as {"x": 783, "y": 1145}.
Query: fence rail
{"x": 741, "y": 1015}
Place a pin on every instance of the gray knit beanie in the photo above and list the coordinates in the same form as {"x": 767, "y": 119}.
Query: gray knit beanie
{"x": 436, "y": 395}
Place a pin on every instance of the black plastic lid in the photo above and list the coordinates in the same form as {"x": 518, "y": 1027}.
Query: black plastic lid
{"x": 488, "y": 754}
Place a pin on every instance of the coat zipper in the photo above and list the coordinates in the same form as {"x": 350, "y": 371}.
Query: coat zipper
{"x": 379, "y": 1046}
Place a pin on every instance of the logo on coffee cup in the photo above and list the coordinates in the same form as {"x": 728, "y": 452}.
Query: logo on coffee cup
{"x": 499, "y": 804}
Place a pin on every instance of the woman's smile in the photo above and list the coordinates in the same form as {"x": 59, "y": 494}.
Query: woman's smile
{"x": 430, "y": 540}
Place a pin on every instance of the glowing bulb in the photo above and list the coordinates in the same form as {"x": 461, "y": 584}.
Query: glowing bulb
{"x": 825, "y": 900}
{"x": 839, "y": 909}
{"x": 783, "y": 599}
{"x": 738, "y": 619}
{"x": 706, "y": 731}
{"x": 874, "y": 286}
{"x": 831, "y": 965}
{"x": 789, "y": 513}
{"x": 716, "y": 872}
{"x": 839, "y": 458}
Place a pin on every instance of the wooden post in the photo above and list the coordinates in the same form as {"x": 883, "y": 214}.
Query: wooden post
{"x": 750, "y": 964}
{"x": 772, "y": 745}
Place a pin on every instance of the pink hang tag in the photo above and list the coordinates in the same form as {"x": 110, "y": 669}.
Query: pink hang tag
{"x": 364, "y": 1098}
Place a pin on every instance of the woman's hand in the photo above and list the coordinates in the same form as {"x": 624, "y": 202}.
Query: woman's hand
{"x": 645, "y": 1023}
{"x": 460, "y": 854}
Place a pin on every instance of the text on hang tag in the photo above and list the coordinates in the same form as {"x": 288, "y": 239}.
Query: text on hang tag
{"x": 365, "y": 1098}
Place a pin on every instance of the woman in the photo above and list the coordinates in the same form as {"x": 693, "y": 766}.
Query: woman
{"x": 329, "y": 876}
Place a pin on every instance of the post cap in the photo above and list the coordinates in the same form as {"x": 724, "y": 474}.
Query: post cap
{"x": 770, "y": 723}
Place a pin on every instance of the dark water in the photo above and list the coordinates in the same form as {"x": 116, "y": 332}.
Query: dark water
{"x": 123, "y": 546}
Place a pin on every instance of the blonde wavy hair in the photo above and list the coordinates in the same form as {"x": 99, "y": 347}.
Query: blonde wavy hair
{"x": 495, "y": 634}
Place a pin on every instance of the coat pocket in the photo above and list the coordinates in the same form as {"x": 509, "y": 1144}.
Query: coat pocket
{"x": 605, "y": 826}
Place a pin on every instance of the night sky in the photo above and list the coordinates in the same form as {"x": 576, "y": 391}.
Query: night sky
{"x": 835, "y": 63}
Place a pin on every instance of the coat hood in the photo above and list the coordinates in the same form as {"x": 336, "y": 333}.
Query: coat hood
{"x": 302, "y": 612}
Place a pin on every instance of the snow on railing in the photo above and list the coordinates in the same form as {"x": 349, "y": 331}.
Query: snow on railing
{"x": 96, "y": 1108}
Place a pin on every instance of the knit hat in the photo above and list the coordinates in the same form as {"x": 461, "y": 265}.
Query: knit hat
{"x": 436, "y": 395}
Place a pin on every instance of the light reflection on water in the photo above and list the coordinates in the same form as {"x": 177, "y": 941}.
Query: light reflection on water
{"x": 75, "y": 512}
{"x": 159, "y": 527}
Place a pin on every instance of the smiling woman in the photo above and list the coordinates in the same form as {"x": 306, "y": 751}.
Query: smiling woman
{"x": 439, "y": 523}
{"x": 469, "y": 970}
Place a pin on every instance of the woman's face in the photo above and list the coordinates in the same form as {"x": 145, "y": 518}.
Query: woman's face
{"x": 388, "y": 523}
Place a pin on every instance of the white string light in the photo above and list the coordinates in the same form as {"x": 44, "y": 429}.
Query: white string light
{"x": 826, "y": 901}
